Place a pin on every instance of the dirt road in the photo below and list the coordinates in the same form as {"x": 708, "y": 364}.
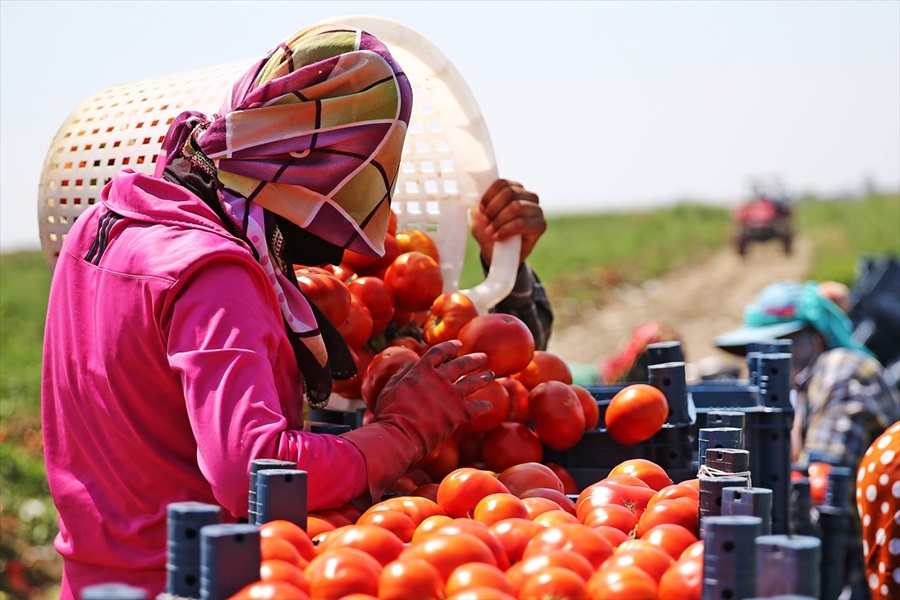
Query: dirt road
{"x": 701, "y": 302}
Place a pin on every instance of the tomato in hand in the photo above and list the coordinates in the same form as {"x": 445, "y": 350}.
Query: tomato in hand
{"x": 381, "y": 368}
{"x": 416, "y": 280}
{"x": 636, "y": 413}
{"x": 558, "y": 416}
{"x": 505, "y": 339}
{"x": 646, "y": 470}
{"x": 449, "y": 312}
{"x": 498, "y": 397}
{"x": 510, "y": 444}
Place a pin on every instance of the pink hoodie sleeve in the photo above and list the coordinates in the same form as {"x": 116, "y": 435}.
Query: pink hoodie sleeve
{"x": 227, "y": 341}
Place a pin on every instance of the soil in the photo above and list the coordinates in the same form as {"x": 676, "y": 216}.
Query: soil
{"x": 701, "y": 301}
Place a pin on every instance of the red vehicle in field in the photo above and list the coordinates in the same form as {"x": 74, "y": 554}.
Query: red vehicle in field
{"x": 768, "y": 216}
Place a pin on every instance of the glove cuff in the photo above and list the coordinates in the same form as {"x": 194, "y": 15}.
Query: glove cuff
{"x": 388, "y": 454}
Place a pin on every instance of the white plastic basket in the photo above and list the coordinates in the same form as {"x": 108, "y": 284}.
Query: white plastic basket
{"x": 447, "y": 161}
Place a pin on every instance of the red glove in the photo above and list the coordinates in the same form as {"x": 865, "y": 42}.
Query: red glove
{"x": 419, "y": 407}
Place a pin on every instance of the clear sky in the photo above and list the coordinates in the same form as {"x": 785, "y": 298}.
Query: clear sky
{"x": 594, "y": 105}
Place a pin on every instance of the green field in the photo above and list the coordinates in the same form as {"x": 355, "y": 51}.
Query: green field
{"x": 576, "y": 255}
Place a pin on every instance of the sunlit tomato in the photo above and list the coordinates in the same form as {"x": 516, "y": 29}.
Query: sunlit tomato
{"x": 505, "y": 339}
{"x": 449, "y": 312}
{"x": 395, "y": 521}
{"x": 417, "y": 507}
{"x": 410, "y": 240}
{"x": 343, "y": 571}
{"x": 675, "y": 490}
{"x": 498, "y": 397}
{"x": 460, "y": 491}
{"x": 636, "y": 413}
{"x": 443, "y": 461}
{"x": 356, "y": 329}
{"x": 279, "y": 570}
{"x": 446, "y": 552}
{"x": 564, "y": 502}
{"x": 589, "y": 407}
{"x": 618, "y": 582}
{"x": 408, "y": 578}
{"x": 570, "y": 536}
{"x": 522, "y": 477}
{"x": 316, "y": 525}
{"x": 558, "y": 416}
{"x": 681, "y": 511}
{"x": 514, "y": 534}
{"x": 429, "y": 525}
{"x": 477, "y": 575}
{"x": 328, "y": 293}
{"x": 555, "y": 517}
{"x": 693, "y": 551}
{"x": 510, "y": 444}
{"x": 383, "y": 545}
{"x": 646, "y": 470}
{"x": 538, "y": 505}
{"x": 652, "y": 560}
{"x": 377, "y": 297}
{"x": 481, "y": 531}
{"x": 291, "y": 532}
{"x": 416, "y": 281}
{"x": 519, "y": 411}
{"x": 554, "y": 582}
{"x": 570, "y": 486}
{"x": 683, "y": 580}
{"x": 632, "y": 497}
{"x": 611, "y": 515}
{"x": 496, "y": 507}
{"x": 270, "y": 590}
{"x": 615, "y": 537}
{"x": 342, "y": 272}
{"x": 567, "y": 559}
{"x": 544, "y": 366}
{"x": 278, "y": 548}
{"x": 381, "y": 368}
{"x": 670, "y": 537}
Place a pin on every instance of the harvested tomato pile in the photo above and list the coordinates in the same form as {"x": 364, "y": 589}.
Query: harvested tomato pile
{"x": 509, "y": 535}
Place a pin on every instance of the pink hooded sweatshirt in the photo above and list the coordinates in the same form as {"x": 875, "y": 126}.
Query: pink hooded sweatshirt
{"x": 166, "y": 371}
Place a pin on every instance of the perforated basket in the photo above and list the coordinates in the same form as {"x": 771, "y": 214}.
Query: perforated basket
{"x": 447, "y": 161}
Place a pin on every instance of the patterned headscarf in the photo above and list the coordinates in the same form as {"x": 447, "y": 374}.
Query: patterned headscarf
{"x": 312, "y": 132}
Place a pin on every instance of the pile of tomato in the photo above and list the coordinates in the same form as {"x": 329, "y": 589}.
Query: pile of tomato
{"x": 508, "y": 535}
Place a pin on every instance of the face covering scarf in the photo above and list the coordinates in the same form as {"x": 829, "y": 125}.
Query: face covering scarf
{"x": 313, "y": 133}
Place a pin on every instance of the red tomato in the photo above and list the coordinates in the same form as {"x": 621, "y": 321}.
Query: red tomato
{"x": 381, "y": 544}
{"x": 449, "y": 312}
{"x": 410, "y": 578}
{"x": 377, "y": 297}
{"x": 505, "y": 339}
{"x": 352, "y": 388}
{"x": 616, "y": 537}
{"x": 636, "y": 413}
{"x": 278, "y": 548}
{"x": 670, "y": 537}
{"x": 496, "y": 507}
{"x": 356, "y": 329}
{"x": 681, "y": 511}
{"x": 270, "y": 590}
{"x": 291, "y": 532}
{"x": 427, "y": 490}
{"x": 555, "y": 517}
{"x": 544, "y": 366}
{"x": 430, "y": 525}
{"x": 382, "y": 366}
{"x": 407, "y": 341}
{"x": 538, "y": 505}
{"x": 570, "y": 536}
{"x": 482, "y": 532}
{"x": 416, "y": 281}
{"x": 652, "y": 560}
{"x": 567, "y": 559}
{"x": 316, "y": 525}
{"x": 279, "y": 570}
{"x": 646, "y": 470}
{"x": 519, "y": 411}
{"x": 570, "y": 486}
{"x": 460, "y": 491}
{"x": 610, "y": 515}
{"x": 554, "y": 582}
{"x": 396, "y": 521}
{"x": 589, "y": 407}
{"x": 558, "y": 416}
{"x": 446, "y": 551}
{"x": 618, "y": 582}
{"x": 683, "y": 580}
{"x": 410, "y": 240}
{"x": 554, "y": 495}
{"x": 418, "y": 508}
{"x": 498, "y": 397}
{"x": 514, "y": 534}
{"x": 343, "y": 571}
{"x": 328, "y": 293}
{"x": 676, "y": 490}
{"x": 510, "y": 444}
{"x": 522, "y": 477}
{"x": 477, "y": 575}
{"x": 342, "y": 272}
{"x": 632, "y": 497}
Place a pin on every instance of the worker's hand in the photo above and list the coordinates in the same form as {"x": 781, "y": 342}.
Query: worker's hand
{"x": 419, "y": 408}
{"x": 505, "y": 210}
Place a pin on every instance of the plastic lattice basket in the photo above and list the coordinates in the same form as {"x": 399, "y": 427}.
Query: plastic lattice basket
{"x": 447, "y": 161}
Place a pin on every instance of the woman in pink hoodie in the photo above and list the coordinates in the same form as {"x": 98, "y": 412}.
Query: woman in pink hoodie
{"x": 178, "y": 345}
